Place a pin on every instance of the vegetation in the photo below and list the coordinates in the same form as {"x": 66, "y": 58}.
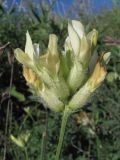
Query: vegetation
{"x": 93, "y": 132}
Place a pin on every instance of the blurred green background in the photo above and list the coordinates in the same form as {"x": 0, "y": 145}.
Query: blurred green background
{"x": 99, "y": 138}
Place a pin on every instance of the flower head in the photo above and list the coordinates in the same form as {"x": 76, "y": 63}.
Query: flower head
{"x": 66, "y": 77}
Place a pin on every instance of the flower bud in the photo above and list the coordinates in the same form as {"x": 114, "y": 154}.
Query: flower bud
{"x": 21, "y": 140}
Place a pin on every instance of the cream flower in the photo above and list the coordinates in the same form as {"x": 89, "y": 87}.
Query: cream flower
{"x": 64, "y": 78}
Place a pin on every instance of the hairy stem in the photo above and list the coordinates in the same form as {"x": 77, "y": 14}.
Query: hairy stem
{"x": 62, "y": 132}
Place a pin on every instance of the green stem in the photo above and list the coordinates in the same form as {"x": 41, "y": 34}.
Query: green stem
{"x": 62, "y": 132}
{"x": 98, "y": 144}
{"x": 43, "y": 146}
{"x": 26, "y": 154}
{"x": 44, "y": 139}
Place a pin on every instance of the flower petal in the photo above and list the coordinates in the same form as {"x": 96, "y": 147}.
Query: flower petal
{"x": 78, "y": 27}
{"x": 85, "y": 51}
{"x": 36, "y": 49}
{"x": 98, "y": 75}
{"x": 92, "y": 36}
{"x": 52, "y": 46}
{"x": 29, "y": 49}
{"x": 51, "y": 60}
{"x": 32, "y": 78}
{"x": 23, "y": 58}
{"x": 74, "y": 39}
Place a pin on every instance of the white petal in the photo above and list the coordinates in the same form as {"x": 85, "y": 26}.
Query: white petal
{"x": 29, "y": 46}
{"x": 52, "y": 46}
{"x": 79, "y": 28}
{"x": 36, "y": 49}
{"x": 74, "y": 39}
{"x": 84, "y": 50}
